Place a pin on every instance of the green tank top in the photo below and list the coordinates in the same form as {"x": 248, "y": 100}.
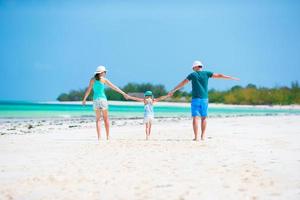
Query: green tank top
{"x": 98, "y": 89}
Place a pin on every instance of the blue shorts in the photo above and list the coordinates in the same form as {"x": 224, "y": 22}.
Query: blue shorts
{"x": 199, "y": 107}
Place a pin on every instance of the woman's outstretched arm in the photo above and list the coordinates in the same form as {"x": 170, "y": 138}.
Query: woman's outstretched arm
{"x": 88, "y": 91}
{"x": 115, "y": 88}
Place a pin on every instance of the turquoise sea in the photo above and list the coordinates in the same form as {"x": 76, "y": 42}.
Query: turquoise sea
{"x": 13, "y": 109}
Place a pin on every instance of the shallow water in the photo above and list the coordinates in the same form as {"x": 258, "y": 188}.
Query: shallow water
{"x": 13, "y": 109}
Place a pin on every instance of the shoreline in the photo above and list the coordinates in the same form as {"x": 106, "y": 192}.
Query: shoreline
{"x": 226, "y": 111}
{"x": 177, "y": 104}
{"x": 92, "y": 116}
{"x": 22, "y": 126}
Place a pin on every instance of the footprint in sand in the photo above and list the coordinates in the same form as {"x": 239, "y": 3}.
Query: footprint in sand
{"x": 275, "y": 194}
{"x": 246, "y": 180}
{"x": 164, "y": 186}
{"x": 9, "y": 197}
{"x": 273, "y": 162}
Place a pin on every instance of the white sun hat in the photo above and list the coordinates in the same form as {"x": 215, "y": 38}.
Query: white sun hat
{"x": 100, "y": 69}
{"x": 197, "y": 63}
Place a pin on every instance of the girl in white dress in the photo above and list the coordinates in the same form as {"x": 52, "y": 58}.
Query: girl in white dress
{"x": 148, "y": 109}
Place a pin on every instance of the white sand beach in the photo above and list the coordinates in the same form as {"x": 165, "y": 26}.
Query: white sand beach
{"x": 242, "y": 158}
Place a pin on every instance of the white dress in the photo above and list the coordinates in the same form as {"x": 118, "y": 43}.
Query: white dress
{"x": 148, "y": 111}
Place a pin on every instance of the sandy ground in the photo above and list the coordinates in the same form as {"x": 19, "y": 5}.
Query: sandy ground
{"x": 242, "y": 158}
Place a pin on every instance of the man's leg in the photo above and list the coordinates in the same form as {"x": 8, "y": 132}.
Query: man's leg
{"x": 203, "y": 112}
{"x": 195, "y": 127}
{"x": 203, "y": 127}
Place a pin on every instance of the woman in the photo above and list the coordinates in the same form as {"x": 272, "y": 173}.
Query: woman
{"x": 100, "y": 105}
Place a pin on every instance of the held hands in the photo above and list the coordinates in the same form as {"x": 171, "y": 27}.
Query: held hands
{"x": 126, "y": 96}
{"x": 171, "y": 93}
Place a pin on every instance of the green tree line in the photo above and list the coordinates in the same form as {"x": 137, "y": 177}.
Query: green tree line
{"x": 249, "y": 95}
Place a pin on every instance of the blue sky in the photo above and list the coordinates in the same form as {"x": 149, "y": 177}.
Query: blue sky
{"x": 50, "y": 47}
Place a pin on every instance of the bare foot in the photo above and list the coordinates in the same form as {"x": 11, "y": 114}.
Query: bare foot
{"x": 195, "y": 139}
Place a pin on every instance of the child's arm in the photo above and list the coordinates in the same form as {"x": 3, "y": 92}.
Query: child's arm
{"x": 160, "y": 98}
{"x": 135, "y": 98}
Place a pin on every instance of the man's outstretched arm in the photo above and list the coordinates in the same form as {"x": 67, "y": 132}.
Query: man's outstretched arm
{"x": 180, "y": 85}
{"x": 215, "y": 75}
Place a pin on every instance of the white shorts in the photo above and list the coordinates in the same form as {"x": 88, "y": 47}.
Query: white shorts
{"x": 100, "y": 104}
{"x": 148, "y": 119}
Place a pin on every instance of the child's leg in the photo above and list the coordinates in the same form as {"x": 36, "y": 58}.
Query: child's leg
{"x": 147, "y": 130}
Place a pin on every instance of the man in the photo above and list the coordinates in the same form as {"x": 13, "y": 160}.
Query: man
{"x": 199, "y": 102}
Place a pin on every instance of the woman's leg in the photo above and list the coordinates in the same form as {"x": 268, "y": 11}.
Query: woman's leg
{"x": 98, "y": 123}
{"x": 106, "y": 123}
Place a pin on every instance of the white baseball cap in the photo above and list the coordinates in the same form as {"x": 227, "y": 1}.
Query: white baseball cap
{"x": 100, "y": 69}
{"x": 197, "y": 63}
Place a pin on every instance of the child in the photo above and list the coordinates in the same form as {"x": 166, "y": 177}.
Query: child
{"x": 148, "y": 109}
